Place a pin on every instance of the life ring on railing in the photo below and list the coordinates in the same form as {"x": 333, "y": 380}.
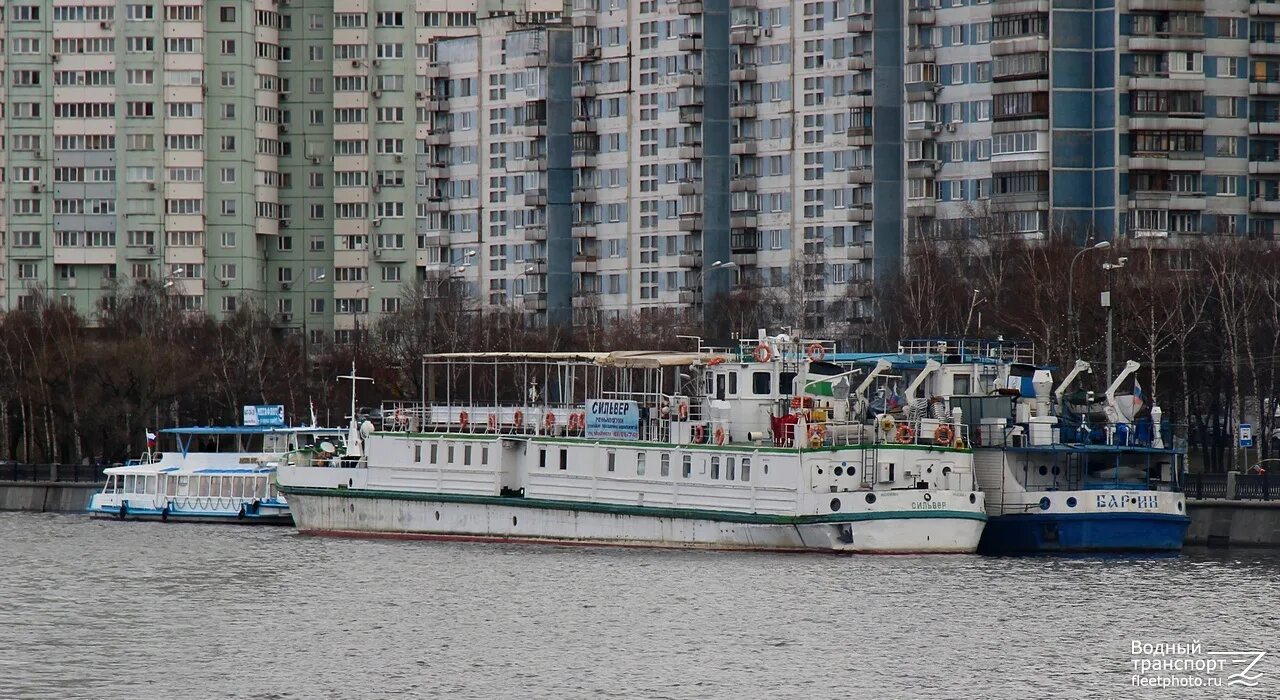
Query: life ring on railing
{"x": 549, "y": 420}
{"x": 664, "y": 409}
{"x": 698, "y": 432}
{"x": 817, "y": 434}
{"x": 906, "y": 434}
{"x": 886, "y": 423}
{"x": 464, "y": 419}
{"x": 400, "y": 419}
{"x": 518, "y": 419}
{"x": 762, "y": 353}
{"x": 816, "y": 353}
{"x": 577, "y": 421}
{"x": 944, "y": 435}
{"x": 493, "y": 422}
{"x": 682, "y": 410}
{"x": 719, "y": 435}
{"x": 716, "y": 361}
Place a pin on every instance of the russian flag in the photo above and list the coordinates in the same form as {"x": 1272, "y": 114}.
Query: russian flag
{"x": 151, "y": 439}
{"x": 1137, "y": 396}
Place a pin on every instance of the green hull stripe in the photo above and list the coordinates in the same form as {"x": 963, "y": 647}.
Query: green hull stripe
{"x": 616, "y": 509}
{"x": 739, "y": 447}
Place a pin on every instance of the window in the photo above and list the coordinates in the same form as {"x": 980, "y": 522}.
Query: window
{"x": 227, "y": 13}
{"x": 715, "y": 467}
{"x": 640, "y": 463}
{"x": 611, "y": 460}
{"x": 744, "y": 474}
{"x": 665, "y": 468}
{"x": 686, "y": 466}
{"x": 564, "y": 459}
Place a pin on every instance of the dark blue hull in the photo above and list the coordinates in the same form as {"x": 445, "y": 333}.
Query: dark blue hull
{"x": 1048, "y": 533}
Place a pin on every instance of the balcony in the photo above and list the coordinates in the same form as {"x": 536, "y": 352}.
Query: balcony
{"x": 584, "y": 229}
{"x": 859, "y": 213}
{"x": 743, "y": 110}
{"x": 689, "y": 187}
{"x": 1269, "y": 127}
{"x": 535, "y": 233}
{"x": 691, "y": 114}
{"x": 860, "y": 175}
{"x": 859, "y": 24}
{"x": 1262, "y": 205}
{"x": 585, "y": 263}
{"x": 743, "y": 35}
{"x": 922, "y": 208}
{"x": 922, "y": 17}
{"x": 1257, "y": 9}
{"x": 748, "y": 4}
{"x": 583, "y": 160}
{"x": 1264, "y": 48}
{"x": 535, "y": 198}
{"x": 858, "y": 252}
{"x": 691, "y": 222}
{"x": 437, "y": 138}
{"x": 742, "y": 219}
{"x": 691, "y": 259}
{"x": 688, "y": 295}
{"x": 584, "y": 125}
{"x": 584, "y": 18}
{"x": 584, "y": 89}
{"x": 746, "y": 147}
{"x": 743, "y": 73}
{"x": 1166, "y": 6}
{"x": 689, "y": 7}
{"x": 689, "y": 151}
{"x": 744, "y": 183}
{"x": 689, "y": 42}
{"x": 435, "y": 70}
{"x": 535, "y": 59}
{"x": 922, "y": 168}
{"x": 915, "y": 54}
{"x": 585, "y": 52}
{"x": 584, "y": 195}
{"x": 1269, "y": 88}
{"x": 689, "y": 79}
{"x": 535, "y": 301}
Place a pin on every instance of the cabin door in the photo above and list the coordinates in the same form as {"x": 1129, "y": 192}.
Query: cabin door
{"x": 509, "y": 465}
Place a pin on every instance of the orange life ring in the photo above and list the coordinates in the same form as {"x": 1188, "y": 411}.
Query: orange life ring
{"x": 464, "y": 419}
{"x": 906, "y": 434}
{"x": 816, "y": 352}
{"x": 493, "y": 422}
{"x": 519, "y": 419}
{"x": 716, "y": 361}
{"x": 682, "y": 410}
{"x": 944, "y": 435}
{"x": 549, "y": 420}
{"x": 577, "y": 421}
{"x": 698, "y": 432}
{"x": 762, "y": 353}
{"x": 719, "y": 435}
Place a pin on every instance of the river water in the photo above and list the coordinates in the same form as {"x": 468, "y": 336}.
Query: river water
{"x": 104, "y": 609}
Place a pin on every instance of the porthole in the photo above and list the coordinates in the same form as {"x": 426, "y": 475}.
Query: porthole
{"x": 513, "y": 521}
{"x": 973, "y": 498}
{"x": 1044, "y": 502}
{"x": 929, "y": 470}
{"x": 850, "y": 472}
{"x": 437, "y": 515}
{"x": 835, "y": 504}
{"x": 1043, "y": 470}
{"x": 928, "y": 497}
{"x": 946, "y": 471}
{"x": 871, "y": 498}
{"x": 1057, "y": 471}
{"x": 1071, "y": 502}
{"x": 819, "y": 470}
{"x": 839, "y": 471}
{"x": 1179, "y": 506}
{"x": 766, "y": 467}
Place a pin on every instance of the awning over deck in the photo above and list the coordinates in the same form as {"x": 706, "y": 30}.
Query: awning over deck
{"x": 629, "y": 359}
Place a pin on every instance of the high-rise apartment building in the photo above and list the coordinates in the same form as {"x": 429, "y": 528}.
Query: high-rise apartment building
{"x": 322, "y": 157}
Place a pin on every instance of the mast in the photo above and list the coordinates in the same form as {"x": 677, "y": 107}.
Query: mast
{"x": 353, "y": 431}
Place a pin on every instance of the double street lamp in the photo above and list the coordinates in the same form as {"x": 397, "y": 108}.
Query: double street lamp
{"x": 1071, "y": 290}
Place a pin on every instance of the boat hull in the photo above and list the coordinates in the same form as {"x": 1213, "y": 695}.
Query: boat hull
{"x": 1040, "y": 533}
{"x": 195, "y": 510}
{"x": 357, "y": 513}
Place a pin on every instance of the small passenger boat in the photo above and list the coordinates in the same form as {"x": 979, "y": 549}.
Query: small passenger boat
{"x": 212, "y": 474}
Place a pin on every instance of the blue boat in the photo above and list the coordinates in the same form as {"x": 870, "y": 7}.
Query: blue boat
{"x": 1062, "y": 472}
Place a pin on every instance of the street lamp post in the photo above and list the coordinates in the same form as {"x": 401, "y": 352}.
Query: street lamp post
{"x": 717, "y": 265}
{"x": 1071, "y": 287}
{"x": 1106, "y": 301}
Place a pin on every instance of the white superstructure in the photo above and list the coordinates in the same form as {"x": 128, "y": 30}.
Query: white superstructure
{"x": 749, "y": 449}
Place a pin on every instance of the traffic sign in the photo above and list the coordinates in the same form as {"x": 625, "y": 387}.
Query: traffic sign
{"x": 1246, "y": 435}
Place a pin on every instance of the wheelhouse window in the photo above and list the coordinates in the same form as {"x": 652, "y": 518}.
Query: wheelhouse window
{"x": 761, "y": 383}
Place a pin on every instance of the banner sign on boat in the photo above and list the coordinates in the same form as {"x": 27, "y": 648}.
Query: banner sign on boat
{"x": 264, "y": 416}
{"x": 613, "y": 420}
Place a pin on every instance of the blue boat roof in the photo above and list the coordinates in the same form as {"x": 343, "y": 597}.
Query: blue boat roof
{"x": 234, "y": 470}
{"x": 1078, "y": 448}
{"x": 245, "y": 430}
{"x": 904, "y": 360}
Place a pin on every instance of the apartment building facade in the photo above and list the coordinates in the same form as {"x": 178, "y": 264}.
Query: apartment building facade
{"x": 322, "y": 158}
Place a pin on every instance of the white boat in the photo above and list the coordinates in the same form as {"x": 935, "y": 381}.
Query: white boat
{"x": 211, "y": 474}
{"x": 1060, "y": 474}
{"x": 750, "y": 449}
